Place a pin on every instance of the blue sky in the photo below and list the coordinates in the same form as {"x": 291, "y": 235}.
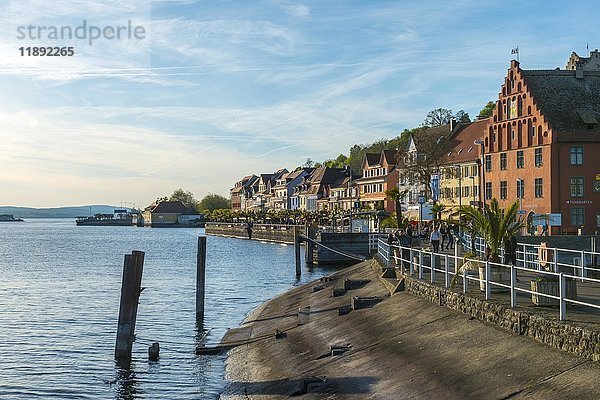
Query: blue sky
{"x": 221, "y": 89}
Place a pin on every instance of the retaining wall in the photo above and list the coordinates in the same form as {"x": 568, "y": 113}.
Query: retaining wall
{"x": 580, "y": 340}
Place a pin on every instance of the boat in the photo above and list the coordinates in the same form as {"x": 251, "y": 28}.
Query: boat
{"x": 117, "y": 218}
{"x": 9, "y": 218}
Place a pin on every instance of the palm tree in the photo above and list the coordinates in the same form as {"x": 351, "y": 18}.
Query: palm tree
{"x": 493, "y": 224}
{"x": 437, "y": 209}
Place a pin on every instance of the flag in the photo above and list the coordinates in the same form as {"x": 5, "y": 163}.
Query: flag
{"x": 515, "y": 50}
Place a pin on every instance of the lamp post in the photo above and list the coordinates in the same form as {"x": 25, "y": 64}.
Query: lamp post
{"x": 350, "y": 189}
{"x": 482, "y": 190}
{"x": 459, "y": 173}
{"x": 472, "y": 178}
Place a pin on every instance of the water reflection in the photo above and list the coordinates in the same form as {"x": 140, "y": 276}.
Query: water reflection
{"x": 127, "y": 385}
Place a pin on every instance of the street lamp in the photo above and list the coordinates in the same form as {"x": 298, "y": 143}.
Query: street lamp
{"x": 482, "y": 192}
{"x": 459, "y": 173}
{"x": 472, "y": 178}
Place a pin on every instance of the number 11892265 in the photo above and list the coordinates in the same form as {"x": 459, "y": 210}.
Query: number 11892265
{"x": 47, "y": 51}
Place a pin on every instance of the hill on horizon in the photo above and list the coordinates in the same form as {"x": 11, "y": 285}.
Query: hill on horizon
{"x": 57, "y": 212}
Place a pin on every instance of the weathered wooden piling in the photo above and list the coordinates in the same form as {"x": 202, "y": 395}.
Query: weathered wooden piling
{"x": 130, "y": 295}
{"x": 309, "y": 247}
{"x": 200, "y": 278}
{"x": 154, "y": 352}
{"x": 297, "y": 251}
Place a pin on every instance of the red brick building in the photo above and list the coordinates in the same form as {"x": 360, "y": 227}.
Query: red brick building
{"x": 543, "y": 146}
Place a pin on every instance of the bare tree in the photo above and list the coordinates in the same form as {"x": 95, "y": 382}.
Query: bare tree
{"x": 438, "y": 117}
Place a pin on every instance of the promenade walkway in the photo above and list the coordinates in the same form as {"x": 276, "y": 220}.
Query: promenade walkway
{"x": 403, "y": 347}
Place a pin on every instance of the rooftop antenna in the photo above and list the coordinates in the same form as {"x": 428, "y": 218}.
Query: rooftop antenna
{"x": 515, "y": 51}
{"x": 587, "y": 49}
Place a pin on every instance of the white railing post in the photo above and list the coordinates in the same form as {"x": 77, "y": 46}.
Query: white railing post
{"x": 555, "y": 259}
{"x": 583, "y": 271}
{"x": 488, "y": 289}
{"x": 420, "y": 264}
{"x": 432, "y": 269}
{"x": 446, "y": 271}
{"x": 561, "y": 294}
{"x": 464, "y": 279}
{"x": 412, "y": 262}
{"x": 513, "y": 283}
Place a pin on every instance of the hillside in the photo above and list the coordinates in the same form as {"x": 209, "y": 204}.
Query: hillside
{"x": 56, "y": 212}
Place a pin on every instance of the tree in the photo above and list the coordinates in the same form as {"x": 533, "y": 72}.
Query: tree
{"x": 462, "y": 117}
{"x": 493, "y": 224}
{"x": 442, "y": 116}
{"x": 186, "y": 197}
{"x": 395, "y": 195}
{"x": 488, "y": 110}
{"x": 213, "y": 202}
{"x": 437, "y": 210}
{"x": 309, "y": 163}
{"x": 432, "y": 147}
{"x": 438, "y": 117}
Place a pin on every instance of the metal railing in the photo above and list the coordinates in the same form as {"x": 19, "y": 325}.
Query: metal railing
{"x": 492, "y": 277}
{"x": 576, "y": 262}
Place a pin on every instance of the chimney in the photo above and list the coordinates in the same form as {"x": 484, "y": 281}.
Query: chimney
{"x": 453, "y": 124}
{"x": 579, "y": 71}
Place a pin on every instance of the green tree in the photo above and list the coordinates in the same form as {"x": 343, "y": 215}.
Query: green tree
{"x": 213, "y": 202}
{"x": 186, "y": 197}
{"x": 488, "y": 110}
{"x": 395, "y": 194}
{"x": 437, "y": 209}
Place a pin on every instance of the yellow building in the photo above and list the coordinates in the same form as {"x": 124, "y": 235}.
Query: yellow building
{"x": 459, "y": 175}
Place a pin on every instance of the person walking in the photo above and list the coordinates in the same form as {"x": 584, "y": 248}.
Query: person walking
{"x": 434, "y": 238}
{"x": 444, "y": 232}
{"x": 450, "y": 244}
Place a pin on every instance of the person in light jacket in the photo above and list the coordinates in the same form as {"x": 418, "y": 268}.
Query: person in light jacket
{"x": 434, "y": 238}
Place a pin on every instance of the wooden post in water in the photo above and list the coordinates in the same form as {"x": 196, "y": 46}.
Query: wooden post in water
{"x": 130, "y": 295}
{"x": 200, "y": 278}
{"x": 309, "y": 246}
{"x": 297, "y": 251}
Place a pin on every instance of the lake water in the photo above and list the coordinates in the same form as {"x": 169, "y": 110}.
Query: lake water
{"x": 59, "y": 300}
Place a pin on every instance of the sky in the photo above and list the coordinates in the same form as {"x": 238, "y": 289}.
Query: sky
{"x": 216, "y": 90}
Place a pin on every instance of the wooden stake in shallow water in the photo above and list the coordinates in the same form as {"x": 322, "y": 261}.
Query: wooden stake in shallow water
{"x": 200, "y": 278}
{"x": 297, "y": 250}
{"x": 130, "y": 295}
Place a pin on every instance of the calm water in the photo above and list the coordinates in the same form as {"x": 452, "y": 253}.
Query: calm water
{"x": 59, "y": 299}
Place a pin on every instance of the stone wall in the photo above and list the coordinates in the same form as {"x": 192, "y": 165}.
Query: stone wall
{"x": 563, "y": 335}
{"x": 270, "y": 233}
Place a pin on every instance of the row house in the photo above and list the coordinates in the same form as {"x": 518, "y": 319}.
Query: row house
{"x": 242, "y": 192}
{"x": 344, "y": 195}
{"x": 542, "y": 147}
{"x": 263, "y": 190}
{"x": 313, "y": 193}
{"x": 379, "y": 173}
{"x": 459, "y": 173}
{"x": 284, "y": 188}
